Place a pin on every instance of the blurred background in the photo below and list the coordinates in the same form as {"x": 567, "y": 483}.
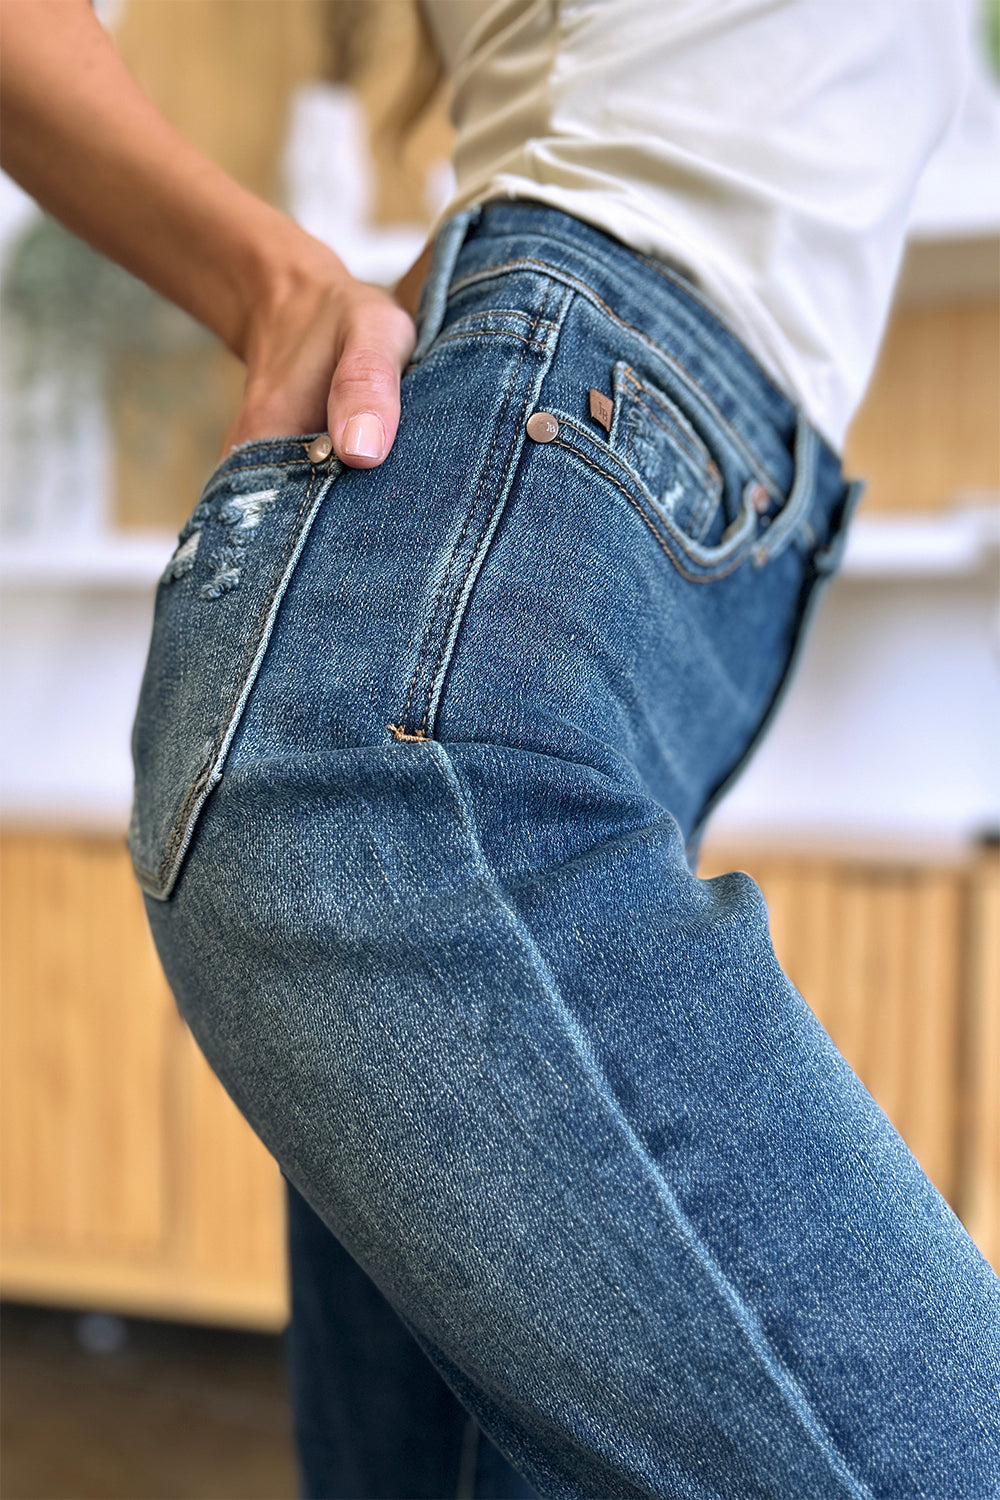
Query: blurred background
{"x": 142, "y": 1237}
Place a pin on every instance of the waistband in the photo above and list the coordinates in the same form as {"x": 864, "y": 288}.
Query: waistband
{"x": 652, "y": 298}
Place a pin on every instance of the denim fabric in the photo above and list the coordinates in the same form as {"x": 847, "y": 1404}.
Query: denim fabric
{"x": 422, "y": 753}
{"x": 373, "y": 1418}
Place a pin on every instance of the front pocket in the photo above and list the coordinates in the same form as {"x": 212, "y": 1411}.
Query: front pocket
{"x": 661, "y": 445}
{"x": 698, "y": 561}
{"x": 216, "y": 605}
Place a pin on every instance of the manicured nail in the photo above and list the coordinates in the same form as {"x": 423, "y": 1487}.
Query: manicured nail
{"x": 364, "y": 436}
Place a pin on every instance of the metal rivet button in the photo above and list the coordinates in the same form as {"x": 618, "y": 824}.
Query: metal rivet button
{"x": 320, "y": 448}
{"x": 542, "y": 426}
{"x": 761, "y": 499}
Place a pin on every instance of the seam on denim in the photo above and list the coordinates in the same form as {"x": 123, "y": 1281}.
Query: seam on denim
{"x": 422, "y": 730}
{"x": 763, "y": 1351}
{"x": 711, "y": 574}
{"x": 676, "y": 278}
{"x": 425, "y": 643}
{"x": 280, "y": 439}
{"x": 569, "y": 279}
{"x": 500, "y": 490}
{"x": 703, "y": 467}
{"x": 678, "y": 435}
{"x": 488, "y": 333}
{"x": 701, "y": 460}
{"x": 203, "y": 782}
{"x": 400, "y": 733}
{"x": 811, "y": 589}
{"x": 691, "y": 290}
{"x": 479, "y": 315}
{"x": 478, "y": 554}
{"x": 795, "y": 511}
{"x": 286, "y": 463}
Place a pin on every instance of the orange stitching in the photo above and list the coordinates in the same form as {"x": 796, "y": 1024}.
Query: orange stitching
{"x": 699, "y": 456}
{"x": 472, "y": 559}
{"x": 706, "y": 469}
{"x": 488, "y": 333}
{"x": 692, "y": 577}
{"x": 401, "y": 733}
{"x": 483, "y": 314}
{"x": 451, "y": 562}
{"x": 569, "y": 279}
{"x": 286, "y": 463}
{"x": 475, "y": 506}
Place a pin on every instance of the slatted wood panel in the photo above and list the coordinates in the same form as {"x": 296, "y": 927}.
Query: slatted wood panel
{"x": 232, "y": 1197}
{"x": 127, "y": 1178}
{"x": 85, "y": 1022}
{"x": 980, "y": 1191}
{"x": 927, "y": 430}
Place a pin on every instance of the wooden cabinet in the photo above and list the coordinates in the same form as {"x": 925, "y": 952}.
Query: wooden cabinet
{"x": 979, "y": 1157}
{"x": 130, "y": 1182}
{"x": 925, "y": 436}
{"x": 127, "y": 1178}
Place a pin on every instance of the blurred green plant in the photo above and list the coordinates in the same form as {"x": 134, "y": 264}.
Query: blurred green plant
{"x": 73, "y": 324}
{"x": 61, "y": 299}
{"x": 991, "y": 30}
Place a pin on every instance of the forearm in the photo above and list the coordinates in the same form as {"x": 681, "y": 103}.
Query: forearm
{"x": 82, "y": 138}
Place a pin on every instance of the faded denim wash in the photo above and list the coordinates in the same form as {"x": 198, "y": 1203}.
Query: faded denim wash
{"x": 373, "y": 1418}
{"x": 422, "y": 755}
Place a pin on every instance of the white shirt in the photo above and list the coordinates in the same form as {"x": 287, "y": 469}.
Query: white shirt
{"x": 768, "y": 148}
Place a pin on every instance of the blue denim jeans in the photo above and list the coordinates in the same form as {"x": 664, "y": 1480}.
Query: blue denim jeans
{"x": 422, "y": 756}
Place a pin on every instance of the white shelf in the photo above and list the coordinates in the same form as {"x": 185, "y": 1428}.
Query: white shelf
{"x": 112, "y": 563}
{"x": 958, "y": 196}
{"x": 958, "y": 543}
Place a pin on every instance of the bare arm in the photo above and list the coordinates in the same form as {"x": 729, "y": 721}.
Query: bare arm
{"x": 321, "y": 349}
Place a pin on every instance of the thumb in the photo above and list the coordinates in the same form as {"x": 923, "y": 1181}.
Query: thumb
{"x": 363, "y": 408}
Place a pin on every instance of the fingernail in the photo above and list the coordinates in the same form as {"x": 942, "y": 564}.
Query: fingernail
{"x": 364, "y": 436}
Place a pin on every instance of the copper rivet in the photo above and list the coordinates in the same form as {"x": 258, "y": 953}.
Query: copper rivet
{"x": 542, "y": 426}
{"x": 761, "y": 499}
{"x": 320, "y": 448}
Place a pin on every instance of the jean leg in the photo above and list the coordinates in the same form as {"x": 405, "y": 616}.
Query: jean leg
{"x": 373, "y": 1418}
{"x": 585, "y": 1137}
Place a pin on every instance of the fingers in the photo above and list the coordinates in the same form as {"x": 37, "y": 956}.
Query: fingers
{"x": 363, "y": 407}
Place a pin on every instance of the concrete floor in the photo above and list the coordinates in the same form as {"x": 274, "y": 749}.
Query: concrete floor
{"x": 108, "y": 1409}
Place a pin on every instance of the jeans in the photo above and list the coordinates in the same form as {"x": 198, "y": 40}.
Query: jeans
{"x": 423, "y": 754}
{"x": 373, "y": 1418}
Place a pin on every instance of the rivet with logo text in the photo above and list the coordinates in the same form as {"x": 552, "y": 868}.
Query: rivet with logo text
{"x": 542, "y": 427}
{"x": 320, "y": 448}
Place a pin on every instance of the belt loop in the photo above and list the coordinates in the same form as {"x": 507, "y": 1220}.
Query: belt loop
{"x": 434, "y": 297}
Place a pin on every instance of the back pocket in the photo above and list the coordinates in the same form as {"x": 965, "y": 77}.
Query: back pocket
{"x": 216, "y": 604}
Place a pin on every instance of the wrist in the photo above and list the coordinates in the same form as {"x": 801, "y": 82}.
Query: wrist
{"x": 283, "y": 275}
